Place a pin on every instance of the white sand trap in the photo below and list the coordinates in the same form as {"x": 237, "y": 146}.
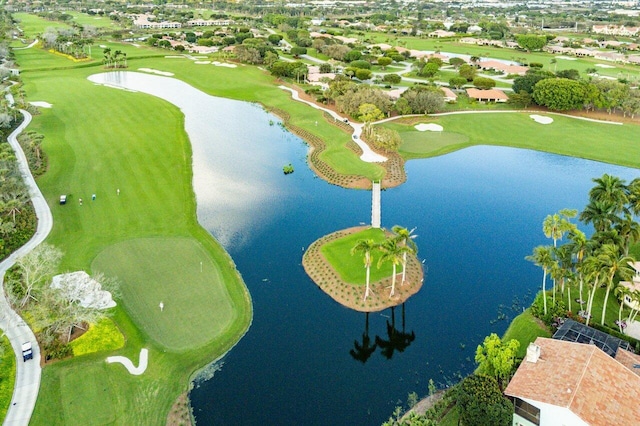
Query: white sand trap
{"x": 41, "y": 104}
{"x": 174, "y": 57}
{"x": 136, "y": 371}
{"x": 135, "y": 44}
{"x": 152, "y": 71}
{"x": 202, "y": 62}
{"x": 566, "y": 58}
{"x": 604, "y": 66}
{"x": 102, "y": 46}
{"x": 541, "y": 119}
{"x": 224, "y": 64}
{"x": 197, "y": 58}
{"x": 432, "y": 127}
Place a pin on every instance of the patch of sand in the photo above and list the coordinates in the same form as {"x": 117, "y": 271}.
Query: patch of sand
{"x": 604, "y": 66}
{"x": 136, "y": 371}
{"x": 224, "y": 64}
{"x": 102, "y": 46}
{"x": 432, "y": 127}
{"x": 135, "y": 45}
{"x": 202, "y": 62}
{"x": 41, "y": 104}
{"x": 152, "y": 71}
{"x": 174, "y": 57}
{"x": 541, "y": 119}
{"x": 566, "y": 58}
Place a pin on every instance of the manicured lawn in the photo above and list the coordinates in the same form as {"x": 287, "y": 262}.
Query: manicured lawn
{"x": 98, "y": 140}
{"x": 608, "y": 143}
{"x": 168, "y": 270}
{"x": 7, "y": 375}
{"x": 88, "y": 384}
{"x": 32, "y": 25}
{"x": 351, "y": 268}
{"x": 525, "y": 328}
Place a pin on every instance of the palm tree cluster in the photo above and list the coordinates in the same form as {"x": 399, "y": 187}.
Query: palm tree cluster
{"x": 393, "y": 249}
{"x": 117, "y": 59}
{"x": 599, "y": 261}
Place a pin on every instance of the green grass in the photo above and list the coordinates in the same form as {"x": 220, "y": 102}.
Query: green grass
{"x": 452, "y": 418}
{"x": 351, "y": 268}
{"x": 7, "y": 375}
{"x": 137, "y": 143}
{"x": 100, "y": 337}
{"x": 167, "y": 270}
{"x": 525, "y": 328}
{"x": 32, "y": 25}
{"x": 566, "y": 136}
{"x": 88, "y": 384}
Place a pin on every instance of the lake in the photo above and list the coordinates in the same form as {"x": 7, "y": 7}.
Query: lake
{"x": 478, "y": 213}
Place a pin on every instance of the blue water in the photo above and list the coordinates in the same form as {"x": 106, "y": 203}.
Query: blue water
{"x": 478, "y": 213}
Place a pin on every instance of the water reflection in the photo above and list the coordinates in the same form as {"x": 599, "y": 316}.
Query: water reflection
{"x": 235, "y": 186}
{"x": 363, "y": 351}
{"x": 397, "y": 339}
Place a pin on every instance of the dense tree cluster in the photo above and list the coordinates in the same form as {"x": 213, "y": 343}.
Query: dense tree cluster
{"x": 565, "y": 91}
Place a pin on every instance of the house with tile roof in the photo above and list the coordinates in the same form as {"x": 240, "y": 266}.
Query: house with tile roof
{"x": 492, "y": 95}
{"x": 563, "y": 383}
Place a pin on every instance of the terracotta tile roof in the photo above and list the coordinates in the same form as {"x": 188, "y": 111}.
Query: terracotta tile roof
{"x": 492, "y": 94}
{"x": 582, "y": 378}
{"x": 629, "y": 359}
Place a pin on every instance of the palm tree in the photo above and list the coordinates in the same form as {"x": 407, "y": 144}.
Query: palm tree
{"x": 392, "y": 252}
{"x": 613, "y": 262}
{"x": 593, "y": 272}
{"x": 612, "y": 190}
{"x": 634, "y": 196}
{"x": 629, "y": 230}
{"x": 578, "y": 246}
{"x": 600, "y": 213}
{"x": 365, "y": 246}
{"x": 406, "y": 239}
{"x": 542, "y": 257}
{"x": 556, "y": 225}
{"x": 621, "y": 291}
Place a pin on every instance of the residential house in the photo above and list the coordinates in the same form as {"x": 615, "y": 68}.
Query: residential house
{"x": 634, "y": 284}
{"x": 492, "y": 95}
{"x": 564, "y": 383}
{"x": 441, "y": 34}
{"x": 449, "y": 95}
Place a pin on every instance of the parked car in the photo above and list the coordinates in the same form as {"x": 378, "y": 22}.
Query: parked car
{"x": 63, "y": 199}
{"x": 27, "y": 351}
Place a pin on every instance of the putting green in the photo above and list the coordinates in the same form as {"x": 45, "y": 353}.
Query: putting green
{"x": 416, "y": 142}
{"x": 181, "y": 275}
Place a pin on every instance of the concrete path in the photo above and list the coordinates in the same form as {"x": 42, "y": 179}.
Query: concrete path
{"x": 368, "y": 155}
{"x": 28, "y": 373}
{"x": 128, "y": 364}
{"x": 33, "y": 43}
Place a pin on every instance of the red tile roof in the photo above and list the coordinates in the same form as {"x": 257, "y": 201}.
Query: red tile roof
{"x": 493, "y": 94}
{"x": 582, "y": 378}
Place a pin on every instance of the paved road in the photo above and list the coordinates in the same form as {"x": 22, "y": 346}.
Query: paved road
{"x": 28, "y": 373}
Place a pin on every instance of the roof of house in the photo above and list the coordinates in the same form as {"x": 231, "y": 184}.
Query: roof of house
{"x": 486, "y": 94}
{"x": 594, "y": 386}
{"x": 448, "y": 93}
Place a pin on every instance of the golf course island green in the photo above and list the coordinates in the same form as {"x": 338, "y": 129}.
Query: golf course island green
{"x": 329, "y": 263}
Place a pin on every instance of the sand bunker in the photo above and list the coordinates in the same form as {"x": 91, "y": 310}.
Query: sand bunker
{"x": 432, "y": 127}
{"x": 604, "y": 66}
{"x": 541, "y": 119}
{"x": 41, "y": 104}
{"x": 136, "y": 371}
{"x": 202, "y": 62}
{"x": 152, "y": 71}
{"x": 566, "y": 58}
{"x": 102, "y": 46}
{"x": 174, "y": 57}
{"x": 224, "y": 64}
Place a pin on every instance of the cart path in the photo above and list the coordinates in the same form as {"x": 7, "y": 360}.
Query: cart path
{"x": 28, "y": 373}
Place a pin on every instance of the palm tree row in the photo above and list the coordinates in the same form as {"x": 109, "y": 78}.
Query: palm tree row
{"x": 393, "y": 249}
{"x": 599, "y": 261}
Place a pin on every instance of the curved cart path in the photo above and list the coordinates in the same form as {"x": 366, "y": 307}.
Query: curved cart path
{"x": 27, "y": 383}
{"x": 368, "y": 155}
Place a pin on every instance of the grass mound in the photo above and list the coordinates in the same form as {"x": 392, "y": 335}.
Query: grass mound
{"x": 181, "y": 275}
